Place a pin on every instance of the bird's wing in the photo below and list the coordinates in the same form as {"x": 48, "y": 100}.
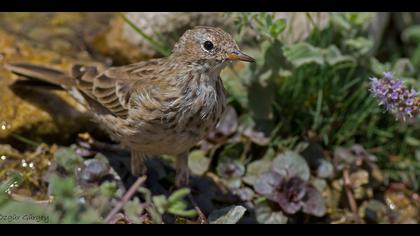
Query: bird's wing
{"x": 113, "y": 89}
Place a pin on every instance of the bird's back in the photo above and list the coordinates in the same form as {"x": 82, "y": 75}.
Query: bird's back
{"x": 158, "y": 106}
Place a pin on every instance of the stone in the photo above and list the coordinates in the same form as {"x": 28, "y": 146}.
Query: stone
{"x": 166, "y": 27}
{"x": 37, "y": 114}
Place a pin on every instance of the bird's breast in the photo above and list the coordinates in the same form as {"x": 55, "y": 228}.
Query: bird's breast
{"x": 201, "y": 107}
{"x": 184, "y": 121}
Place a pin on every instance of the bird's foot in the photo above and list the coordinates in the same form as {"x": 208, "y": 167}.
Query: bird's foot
{"x": 138, "y": 168}
{"x": 182, "y": 178}
{"x": 182, "y": 171}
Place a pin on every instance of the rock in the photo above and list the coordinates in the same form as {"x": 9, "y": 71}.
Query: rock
{"x": 378, "y": 27}
{"x": 166, "y": 27}
{"x": 108, "y": 36}
{"x": 300, "y": 25}
{"x": 93, "y": 170}
{"x": 66, "y": 33}
{"x": 36, "y": 114}
{"x": 126, "y": 45}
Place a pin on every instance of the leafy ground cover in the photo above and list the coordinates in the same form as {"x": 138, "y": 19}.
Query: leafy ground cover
{"x": 323, "y": 130}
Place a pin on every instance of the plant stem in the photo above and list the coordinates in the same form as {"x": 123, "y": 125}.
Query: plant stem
{"x": 159, "y": 47}
{"x": 349, "y": 194}
{"x": 25, "y": 140}
{"x": 127, "y": 196}
{"x": 201, "y": 216}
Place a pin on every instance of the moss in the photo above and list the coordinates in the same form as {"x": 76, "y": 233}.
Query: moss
{"x": 31, "y": 165}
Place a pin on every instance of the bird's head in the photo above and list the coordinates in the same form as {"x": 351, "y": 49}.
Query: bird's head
{"x": 209, "y": 46}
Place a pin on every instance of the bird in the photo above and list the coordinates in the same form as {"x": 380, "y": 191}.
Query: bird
{"x": 162, "y": 106}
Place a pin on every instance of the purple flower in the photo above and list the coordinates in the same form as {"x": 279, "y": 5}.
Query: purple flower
{"x": 394, "y": 96}
{"x": 374, "y": 84}
{"x": 403, "y": 103}
{"x": 409, "y": 102}
{"x": 397, "y": 85}
{"x": 388, "y": 75}
{"x": 290, "y": 193}
{"x": 408, "y": 111}
{"x": 413, "y": 92}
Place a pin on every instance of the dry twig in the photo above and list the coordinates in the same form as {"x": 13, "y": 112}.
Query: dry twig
{"x": 127, "y": 196}
{"x": 349, "y": 194}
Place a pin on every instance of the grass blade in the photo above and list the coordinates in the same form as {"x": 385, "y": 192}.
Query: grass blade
{"x": 156, "y": 45}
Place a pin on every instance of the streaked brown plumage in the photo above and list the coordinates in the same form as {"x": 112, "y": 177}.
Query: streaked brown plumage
{"x": 160, "y": 106}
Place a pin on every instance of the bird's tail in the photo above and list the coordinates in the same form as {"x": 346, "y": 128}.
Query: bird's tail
{"x": 44, "y": 75}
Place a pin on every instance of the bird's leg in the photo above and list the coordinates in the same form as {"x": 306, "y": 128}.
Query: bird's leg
{"x": 138, "y": 168}
{"x": 182, "y": 171}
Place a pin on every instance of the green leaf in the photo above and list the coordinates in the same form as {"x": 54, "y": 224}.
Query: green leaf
{"x": 314, "y": 204}
{"x": 303, "y": 53}
{"x": 377, "y": 67}
{"x": 174, "y": 204}
{"x": 277, "y": 28}
{"x": 62, "y": 188}
{"x": 90, "y": 216}
{"x": 108, "y": 189}
{"x": 231, "y": 171}
{"x": 412, "y": 34}
{"x": 184, "y": 213}
{"x": 268, "y": 20}
{"x": 68, "y": 159}
{"x": 146, "y": 194}
{"x": 178, "y": 195}
{"x": 360, "y": 44}
{"x": 14, "y": 180}
{"x": 228, "y": 215}
{"x": 412, "y": 141}
{"x": 415, "y": 57}
{"x": 160, "y": 202}
{"x": 319, "y": 184}
{"x": 133, "y": 210}
{"x": 178, "y": 207}
{"x": 333, "y": 56}
{"x": 350, "y": 20}
{"x": 27, "y": 213}
{"x": 256, "y": 169}
{"x": 198, "y": 162}
{"x": 291, "y": 164}
{"x": 265, "y": 214}
{"x": 340, "y": 20}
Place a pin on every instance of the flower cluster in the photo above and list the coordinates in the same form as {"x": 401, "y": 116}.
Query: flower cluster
{"x": 395, "y": 97}
{"x": 291, "y": 193}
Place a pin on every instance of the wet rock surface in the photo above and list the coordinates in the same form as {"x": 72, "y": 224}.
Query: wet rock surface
{"x": 30, "y": 165}
{"x": 36, "y": 114}
{"x": 67, "y": 34}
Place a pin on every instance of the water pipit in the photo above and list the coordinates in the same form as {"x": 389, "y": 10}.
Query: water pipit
{"x": 155, "y": 107}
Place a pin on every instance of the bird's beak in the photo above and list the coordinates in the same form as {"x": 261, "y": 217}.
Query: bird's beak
{"x": 237, "y": 55}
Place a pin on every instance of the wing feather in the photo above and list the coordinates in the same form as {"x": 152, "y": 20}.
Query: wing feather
{"x": 114, "y": 89}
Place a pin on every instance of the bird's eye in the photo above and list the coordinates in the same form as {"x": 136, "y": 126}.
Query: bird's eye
{"x": 208, "y": 45}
